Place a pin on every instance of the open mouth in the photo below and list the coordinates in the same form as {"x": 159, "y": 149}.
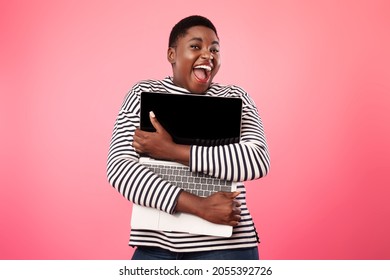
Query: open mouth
{"x": 202, "y": 73}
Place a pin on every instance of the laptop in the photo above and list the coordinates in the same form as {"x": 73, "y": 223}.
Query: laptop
{"x": 193, "y": 120}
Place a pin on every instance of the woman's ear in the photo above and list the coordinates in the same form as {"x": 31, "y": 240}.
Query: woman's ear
{"x": 171, "y": 55}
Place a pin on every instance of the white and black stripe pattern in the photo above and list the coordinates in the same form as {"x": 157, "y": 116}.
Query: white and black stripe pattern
{"x": 247, "y": 160}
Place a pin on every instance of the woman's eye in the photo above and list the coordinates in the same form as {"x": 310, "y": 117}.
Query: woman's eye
{"x": 195, "y": 47}
{"x": 214, "y": 51}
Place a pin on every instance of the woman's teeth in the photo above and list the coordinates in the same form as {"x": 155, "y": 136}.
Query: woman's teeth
{"x": 205, "y": 67}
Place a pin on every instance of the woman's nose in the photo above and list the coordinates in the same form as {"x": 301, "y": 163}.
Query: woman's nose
{"x": 207, "y": 55}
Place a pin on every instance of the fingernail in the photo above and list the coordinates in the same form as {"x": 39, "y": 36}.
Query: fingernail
{"x": 151, "y": 114}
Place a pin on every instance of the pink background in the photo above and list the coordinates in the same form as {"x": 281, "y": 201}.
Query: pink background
{"x": 319, "y": 72}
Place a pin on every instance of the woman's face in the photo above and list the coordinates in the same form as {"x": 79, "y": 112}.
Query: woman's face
{"x": 195, "y": 59}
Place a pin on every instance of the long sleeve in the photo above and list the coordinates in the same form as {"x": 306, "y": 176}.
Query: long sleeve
{"x": 244, "y": 161}
{"x": 247, "y": 160}
{"x": 135, "y": 182}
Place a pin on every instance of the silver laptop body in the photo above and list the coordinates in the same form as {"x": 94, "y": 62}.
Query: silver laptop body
{"x": 179, "y": 114}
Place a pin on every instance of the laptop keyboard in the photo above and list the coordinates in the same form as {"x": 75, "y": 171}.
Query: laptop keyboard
{"x": 196, "y": 183}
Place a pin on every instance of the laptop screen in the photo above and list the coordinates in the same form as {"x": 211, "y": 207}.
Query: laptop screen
{"x": 194, "y": 119}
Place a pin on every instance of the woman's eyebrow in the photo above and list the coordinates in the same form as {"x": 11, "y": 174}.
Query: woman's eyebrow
{"x": 201, "y": 40}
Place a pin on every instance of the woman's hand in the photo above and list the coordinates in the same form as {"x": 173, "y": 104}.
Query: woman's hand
{"x": 159, "y": 144}
{"x": 222, "y": 208}
{"x": 218, "y": 208}
{"x": 155, "y": 144}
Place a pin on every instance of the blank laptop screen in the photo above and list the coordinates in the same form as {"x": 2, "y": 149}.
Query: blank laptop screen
{"x": 194, "y": 119}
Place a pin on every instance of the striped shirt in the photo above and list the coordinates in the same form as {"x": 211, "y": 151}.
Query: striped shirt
{"x": 239, "y": 162}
